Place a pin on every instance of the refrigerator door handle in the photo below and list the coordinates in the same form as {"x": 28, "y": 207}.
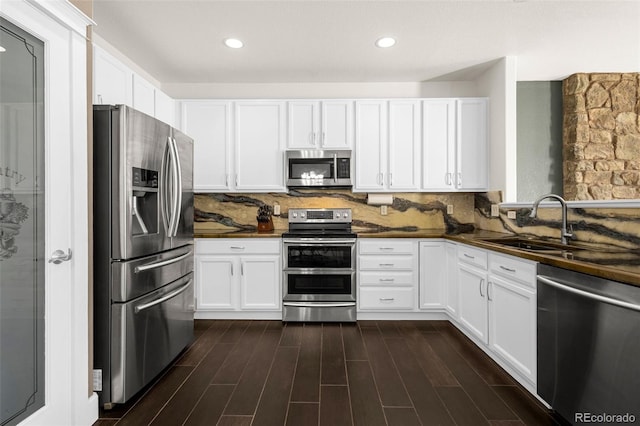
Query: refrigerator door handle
{"x": 164, "y": 185}
{"x": 177, "y": 185}
{"x": 162, "y": 299}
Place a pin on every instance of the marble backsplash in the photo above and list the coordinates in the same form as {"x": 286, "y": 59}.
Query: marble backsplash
{"x": 229, "y": 213}
{"x": 613, "y": 226}
{"x": 409, "y": 211}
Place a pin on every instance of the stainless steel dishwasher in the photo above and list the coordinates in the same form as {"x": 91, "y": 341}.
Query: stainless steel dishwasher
{"x": 588, "y": 347}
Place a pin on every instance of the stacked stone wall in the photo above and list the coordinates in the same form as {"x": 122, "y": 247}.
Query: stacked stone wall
{"x": 601, "y": 136}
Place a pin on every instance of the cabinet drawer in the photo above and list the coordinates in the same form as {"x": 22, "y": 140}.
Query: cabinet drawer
{"x": 472, "y": 256}
{"x": 381, "y": 298}
{"x": 521, "y": 270}
{"x": 386, "y": 246}
{"x": 238, "y": 246}
{"x": 391, "y": 278}
{"x": 386, "y": 262}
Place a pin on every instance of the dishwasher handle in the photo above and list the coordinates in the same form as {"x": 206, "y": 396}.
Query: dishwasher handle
{"x": 589, "y": 295}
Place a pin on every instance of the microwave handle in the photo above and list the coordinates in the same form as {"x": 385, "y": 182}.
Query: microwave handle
{"x": 335, "y": 168}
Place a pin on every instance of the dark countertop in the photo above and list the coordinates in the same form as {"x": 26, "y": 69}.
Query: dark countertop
{"x": 622, "y": 265}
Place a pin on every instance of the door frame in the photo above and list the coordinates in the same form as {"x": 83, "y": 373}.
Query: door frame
{"x": 68, "y": 394}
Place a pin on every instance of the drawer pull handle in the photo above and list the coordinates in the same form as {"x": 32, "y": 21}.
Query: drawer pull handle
{"x": 386, "y": 248}
{"x": 386, "y": 265}
{"x": 387, "y": 299}
{"x": 504, "y": 268}
{"x": 387, "y": 280}
{"x": 468, "y": 256}
{"x": 237, "y": 247}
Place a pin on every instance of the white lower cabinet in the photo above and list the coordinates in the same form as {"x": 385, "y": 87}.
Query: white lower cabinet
{"x": 387, "y": 275}
{"x": 473, "y": 301}
{"x": 512, "y": 312}
{"x": 238, "y": 275}
{"x": 497, "y": 307}
{"x": 433, "y": 276}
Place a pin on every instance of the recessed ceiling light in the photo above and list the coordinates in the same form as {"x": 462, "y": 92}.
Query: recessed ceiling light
{"x": 233, "y": 43}
{"x": 385, "y": 42}
{"x": 2, "y": 49}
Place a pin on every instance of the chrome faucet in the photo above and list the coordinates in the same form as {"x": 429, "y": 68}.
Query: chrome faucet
{"x": 565, "y": 235}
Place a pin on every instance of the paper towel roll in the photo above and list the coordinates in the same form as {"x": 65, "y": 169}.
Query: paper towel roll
{"x": 380, "y": 199}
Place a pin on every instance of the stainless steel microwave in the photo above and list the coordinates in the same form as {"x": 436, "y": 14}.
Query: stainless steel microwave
{"x": 318, "y": 169}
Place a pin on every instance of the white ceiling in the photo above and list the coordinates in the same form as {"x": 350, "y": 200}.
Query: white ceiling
{"x": 180, "y": 41}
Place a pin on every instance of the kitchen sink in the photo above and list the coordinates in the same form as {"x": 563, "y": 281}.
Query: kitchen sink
{"x": 551, "y": 247}
{"x": 530, "y": 244}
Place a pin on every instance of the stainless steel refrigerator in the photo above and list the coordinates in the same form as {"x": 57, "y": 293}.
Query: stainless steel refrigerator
{"x": 143, "y": 249}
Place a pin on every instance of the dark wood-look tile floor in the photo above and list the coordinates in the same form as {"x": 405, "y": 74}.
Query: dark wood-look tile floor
{"x": 370, "y": 373}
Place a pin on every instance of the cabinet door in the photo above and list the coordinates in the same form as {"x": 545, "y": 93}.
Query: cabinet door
{"x": 165, "y": 108}
{"x": 303, "y": 129}
{"x": 259, "y": 142}
{"x": 337, "y": 125}
{"x": 512, "y": 325}
{"x": 260, "y": 283}
{"x": 371, "y": 141}
{"x": 433, "y": 278}
{"x": 215, "y": 278}
{"x": 452, "y": 292}
{"x": 112, "y": 80}
{"x": 473, "y": 301}
{"x": 209, "y": 124}
{"x": 404, "y": 146}
{"x": 144, "y": 96}
{"x": 438, "y": 144}
{"x": 471, "y": 134}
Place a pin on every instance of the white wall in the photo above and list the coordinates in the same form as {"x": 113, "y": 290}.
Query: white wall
{"x": 321, "y": 90}
{"x": 498, "y": 83}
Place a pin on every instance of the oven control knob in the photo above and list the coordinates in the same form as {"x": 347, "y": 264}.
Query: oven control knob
{"x": 337, "y": 215}
{"x": 302, "y": 215}
{"x": 346, "y": 215}
{"x": 294, "y": 215}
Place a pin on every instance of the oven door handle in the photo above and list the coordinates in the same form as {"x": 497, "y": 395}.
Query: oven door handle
{"x": 319, "y": 304}
{"x": 315, "y": 241}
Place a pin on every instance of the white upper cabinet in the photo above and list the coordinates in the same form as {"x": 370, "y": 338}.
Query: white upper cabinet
{"x": 371, "y": 145}
{"x": 165, "y": 108}
{"x": 115, "y": 83}
{"x": 209, "y": 124}
{"x": 438, "y": 144}
{"x": 471, "y": 145}
{"x": 454, "y": 147}
{"x": 403, "y": 154}
{"x": 387, "y": 145}
{"x": 259, "y": 146}
{"x": 239, "y": 146}
{"x": 144, "y": 96}
{"x": 337, "y": 125}
{"x": 112, "y": 80}
{"x": 320, "y": 124}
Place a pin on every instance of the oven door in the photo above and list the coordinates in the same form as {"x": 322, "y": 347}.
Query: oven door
{"x": 310, "y": 253}
{"x": 319, "y": 285}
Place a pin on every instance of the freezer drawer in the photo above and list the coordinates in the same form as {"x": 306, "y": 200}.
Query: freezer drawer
{"x": 147, "y": 334}
{"x": 134, "y": 278}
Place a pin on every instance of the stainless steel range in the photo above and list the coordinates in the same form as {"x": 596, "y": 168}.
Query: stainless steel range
{"x": 319, "y": 280}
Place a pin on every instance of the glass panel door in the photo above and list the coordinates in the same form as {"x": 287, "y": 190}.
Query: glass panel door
{"x": 22, "y": 257}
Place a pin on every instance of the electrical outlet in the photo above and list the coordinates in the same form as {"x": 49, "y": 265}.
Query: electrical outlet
{"x": 511, "y": 214}
{"x": 97, "y": 380}
{"x": 383, "y": 210}
{"x": 449, "y": 208}
{"x": 276, "y": 209}
{"x": 495, "y": 210}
